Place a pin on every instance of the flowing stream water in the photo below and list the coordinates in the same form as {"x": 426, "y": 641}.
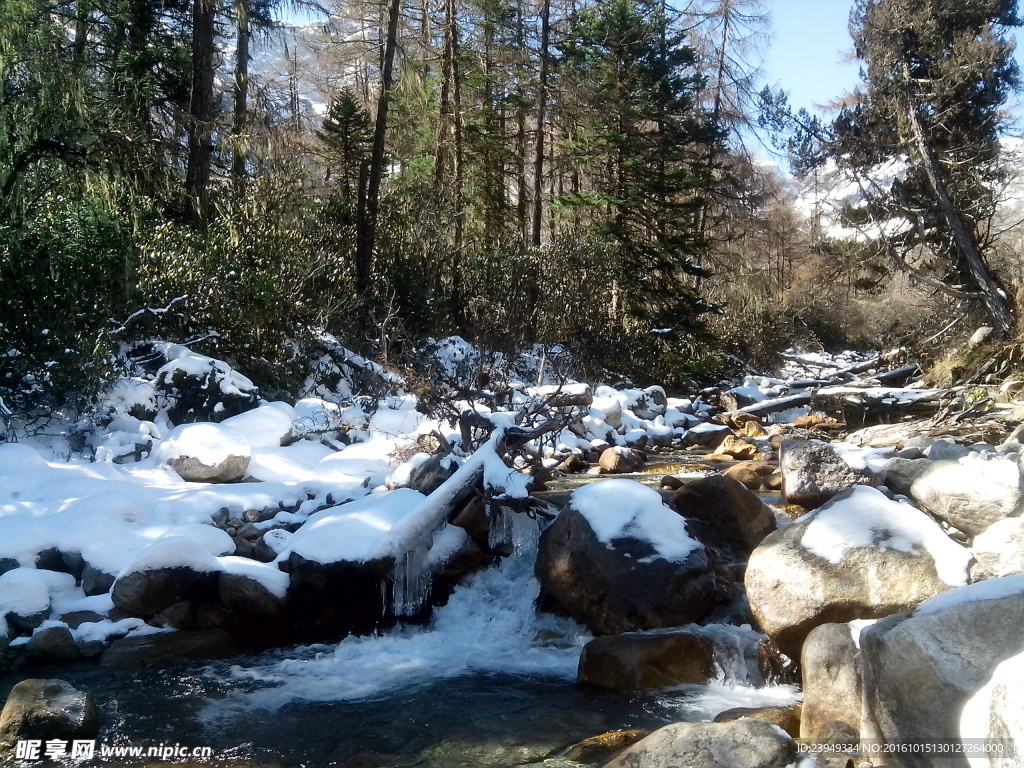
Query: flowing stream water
{"x": 489, "y": 682}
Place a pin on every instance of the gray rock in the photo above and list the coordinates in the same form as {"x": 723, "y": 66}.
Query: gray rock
{"x": 53, "y": 644}
{"x": 999, "y": 549}
{"x": 830, "y": 665}
{"x": 921, "y": 669}
{"x": 946, "y": 449}
{"x": 95, "y": 581}
{"x": 736, "y": 744}
{"x": 46, "y": 709}
{"x": 176, "y": 616}
{"x": 970, "y": 495}
{"x": 812, "y": 473}
{"x": 803, "y": 575}
{"x": 168, "y": 648}
{"x": 429, "y": 475}
{"x": 8, "y": 564}
{"x": 230, "y": 470}
{"x": 651, "y": 404}
{"x": 996, "y": 712}
{"x": 248, "y": 597}
{"x": 609, "y": 588}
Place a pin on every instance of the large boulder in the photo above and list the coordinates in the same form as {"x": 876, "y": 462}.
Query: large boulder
{"x": 921, "y": 669}
{"x": 860, "y": 556}
{"x": 706, "y": 435}
{"x": 737, "y": 744}
{"x": 732, "y": 511}
{"x": 615, "y": 540}
{"x": 970, "y": 494}
{"x": 45, "y": 710}
{"x": 996, "y": 713}
{"x": 205, "y": 453}
{"x": 830, "y": 668}
{"x": 813, "y": 472}
{"x": 668, "y": 657}
{"x": 201, "y": 388}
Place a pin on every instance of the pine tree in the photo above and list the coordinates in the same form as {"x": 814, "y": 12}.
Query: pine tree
{"x": 936, "y": 76}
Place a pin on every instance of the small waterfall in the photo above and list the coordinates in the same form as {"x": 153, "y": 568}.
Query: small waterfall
{"x": 489, "y": 625}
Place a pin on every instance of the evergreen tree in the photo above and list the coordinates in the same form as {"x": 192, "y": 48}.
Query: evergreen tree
{"x": 936, "y": 76}
{"x": 641, "y": 148}
{"x": 347, "y": 132}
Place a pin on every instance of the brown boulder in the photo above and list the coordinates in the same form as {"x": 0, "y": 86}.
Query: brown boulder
{"x": 643, "y": 661}
{"x": 734, "y": 512}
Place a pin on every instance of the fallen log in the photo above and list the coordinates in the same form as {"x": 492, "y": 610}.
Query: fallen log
{"x": 857, "y": 405}
{"x": 775, "y": 405}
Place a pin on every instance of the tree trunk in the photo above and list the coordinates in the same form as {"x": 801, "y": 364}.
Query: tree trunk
{"x": 367, "y": 225}
{"x": 542, "y": 100}
{"x": 200, "y": 131}
{"x": 457, "y": 310}
{"x": 240, "y": 89}
{"x": 991, "y": 296}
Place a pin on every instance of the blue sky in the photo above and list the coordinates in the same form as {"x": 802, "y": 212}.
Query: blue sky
{"x": 807, "y": 50}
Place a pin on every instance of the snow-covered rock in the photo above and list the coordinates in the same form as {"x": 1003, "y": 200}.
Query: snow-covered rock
{"x": 172, "y": 570}
{"x": 205, "y": 453}
{"x": 605, "y": 550}
{"x": 922, "y": 669}
{"x": 860, "y": 556}
{"x": 268, "y": 426}
{"x": 996, "y": 713}
{"x": 999, "y": 549}
{"x": 970, "y": 494}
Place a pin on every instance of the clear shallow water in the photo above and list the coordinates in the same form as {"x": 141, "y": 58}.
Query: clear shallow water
{"x": 488, "y": 683}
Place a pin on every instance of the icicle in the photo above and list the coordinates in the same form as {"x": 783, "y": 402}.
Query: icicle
{"x": 411, "y": 581}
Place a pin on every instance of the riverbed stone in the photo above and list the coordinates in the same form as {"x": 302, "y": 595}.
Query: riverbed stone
{"x": 830, "y": 670}
{"x": 813, "y": 472}
{"x": 620, "y": 460}
{"x": 787, "y": 718}
{"x": 644, "y": 661}
{"x": 810, "y": 573}
{"x": 610, "y": 588}
{"x": 46, "y": 709}
{"x": 756, "y": 475}
{"x": 736, "y": 744}
{"x": 168, "y": 648}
